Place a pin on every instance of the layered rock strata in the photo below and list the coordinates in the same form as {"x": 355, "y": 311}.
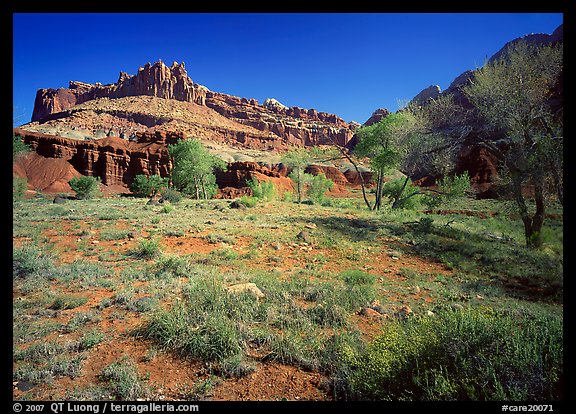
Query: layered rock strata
{"x": 272, "y": 120}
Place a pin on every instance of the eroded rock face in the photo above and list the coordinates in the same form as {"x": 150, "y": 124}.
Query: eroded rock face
{"x": 376, "y": 116}
{"x": 272, "y": 120}
{"x": 114, "y": 160}
{"x": 431, "y": 92}
{"x": 156, "y": 80}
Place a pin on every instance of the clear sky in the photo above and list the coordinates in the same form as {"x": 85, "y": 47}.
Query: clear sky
{"x": 348, "y": 64}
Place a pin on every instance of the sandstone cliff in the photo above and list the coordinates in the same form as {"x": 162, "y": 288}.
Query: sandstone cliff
{"x": 271, "y": 121}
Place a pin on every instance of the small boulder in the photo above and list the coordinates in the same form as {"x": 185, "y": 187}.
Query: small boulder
{"x": 370, "y": 313}
{"x": 404, "y": 312}
{"x": 58, "y": 200}
{"x": 304, "y": 236}
{"x": 237, "y": 204}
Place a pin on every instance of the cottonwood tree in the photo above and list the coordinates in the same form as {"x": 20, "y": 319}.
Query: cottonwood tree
{"x": 314, "y": 185}
{"x": 193, "y": 168}
{"x": 298, "y": 159}
{"x": 380, "y": 142}
{"x": 513, "y": 96}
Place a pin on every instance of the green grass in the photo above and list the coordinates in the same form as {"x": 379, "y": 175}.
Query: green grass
{"x": 121, "y": 379}
{"x": 146, "y": 249}
{"x": 496, "y": 332}
{"x": 470, "y": 354}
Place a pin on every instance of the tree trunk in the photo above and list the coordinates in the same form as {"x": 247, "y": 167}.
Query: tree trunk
{"x": 299, "y": 187}
{"x": 204, "y": 189}
{"x": 398, "y": 197}
{"x": 379, "y": 186}
{"x": 532, "y": 225}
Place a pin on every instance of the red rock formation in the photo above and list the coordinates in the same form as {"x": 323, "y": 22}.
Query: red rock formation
{"x": 376, "y": 116}
{"x": 49, "y": 175}
{"x": 239, "y": 173}
{"x": 151, "y": 80}
{"x": 331, "y": 173}
{"x": 114, "y": 160}
{"x": 291, "y": 125}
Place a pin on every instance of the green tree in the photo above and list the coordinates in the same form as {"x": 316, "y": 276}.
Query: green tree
{"x": 19, "y": 187}
{"x": 262, "y": 190}
{"x": 319, "y": 185}
{"x": 298, "y": 159}
{"x": 381, "y": 143}
{"x": 86, "y": 187}
{"x": 193, "y": 168}
{"x": 513, "y": 97}
{"x": 18, "y": 146}
{"x": 144, "y": 186}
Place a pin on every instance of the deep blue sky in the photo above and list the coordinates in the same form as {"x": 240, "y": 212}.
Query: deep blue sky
{"x": 348, "y": 64}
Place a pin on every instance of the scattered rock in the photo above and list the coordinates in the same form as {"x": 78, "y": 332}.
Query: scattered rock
{"x": 304, "y": 236}
{"x": 237, "y": 204}
{"x": 276, "y": 246}
{"x": 59, "y": 200}
{"x": 457, "y": 306}
{"x": 370, "y": 313}
{"x": 245, "y": 287}
{"x": 310, "y": 226}
{"x": 404, "y": 312}
{"x": 153, "y": 202}
{"x": 24, "y": 385}
{"x": 430, "y": 313}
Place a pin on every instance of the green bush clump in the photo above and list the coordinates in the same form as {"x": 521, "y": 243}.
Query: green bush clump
{"x": 262, "y": 190}
{"x": 248, "y": 201}
{"x": 357, "y": 277}
{"x": 19, "y": 186}
{"x": 394, "y": 190}
{"x": 146, "y": 249}
{"x": 122, "y": 380}
{"x": 144, "y": 186}
{"x": 318, "y": 186}
{"x": 85, "y": 187}
{"x": 29, "y": 260}
{"x": 170, "y": 195}
{"x": 472, "y": 354}
{"x": 204, "y": 326}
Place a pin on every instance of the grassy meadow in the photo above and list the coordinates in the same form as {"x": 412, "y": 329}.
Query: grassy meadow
{"x": 114, "y": 299}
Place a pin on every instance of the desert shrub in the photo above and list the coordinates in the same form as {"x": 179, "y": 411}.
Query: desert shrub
{"x": 122, "y": 380}
{"x": 318, "y": 186}
{"x": 18, "y": 146}
{"x": 63, "y": 302}
{"x": 85, "y": 187}
{"x": 357, "y": 277}
{"x": 234, "y": 367}
{"x": 144, "y": 186}
{"x": 170, "y": 195}
{"x": 248, "y": 201}
{"x": 193, "y": 332}
{"x": 262, "y": 190}
{"x": 473, "y": 354}
{"x": 146, "y": 249}
{"x": 171, "y": 266}
{"x": 29, "y": 260}
{"x": 19, "y": 186}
